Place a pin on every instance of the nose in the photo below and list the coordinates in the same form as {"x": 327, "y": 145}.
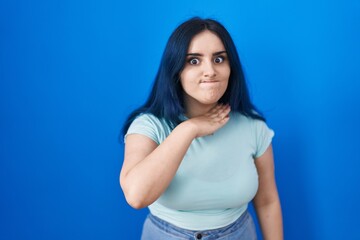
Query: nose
{"x": 208, "y": 69}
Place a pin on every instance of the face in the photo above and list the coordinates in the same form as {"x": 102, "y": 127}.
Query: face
{"x": 206, "y": 72}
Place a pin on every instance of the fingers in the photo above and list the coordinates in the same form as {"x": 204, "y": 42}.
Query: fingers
{"x": 224, "y": 111}
{"x": 219, "y": 113}
{"x": 214, "y": 119}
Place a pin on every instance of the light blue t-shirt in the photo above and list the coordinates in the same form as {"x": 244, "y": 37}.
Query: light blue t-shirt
{"x": 217, "y": 177}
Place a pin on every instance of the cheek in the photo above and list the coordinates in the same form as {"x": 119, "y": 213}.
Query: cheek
{"x": 187, "y": 79}
{"x": 226, "y": 71}
{"x": 227, "y": 76}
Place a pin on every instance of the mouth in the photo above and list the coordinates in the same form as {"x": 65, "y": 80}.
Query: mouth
{"x": 209, "y": 81}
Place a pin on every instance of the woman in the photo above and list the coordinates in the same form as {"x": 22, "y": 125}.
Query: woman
{"x": 197, "y": 152}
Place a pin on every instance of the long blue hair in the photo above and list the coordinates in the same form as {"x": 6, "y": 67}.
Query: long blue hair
{"x": 166, "y": 97}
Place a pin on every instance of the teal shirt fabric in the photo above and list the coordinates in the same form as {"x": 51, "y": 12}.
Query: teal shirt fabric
{"x": 217, "y": 177}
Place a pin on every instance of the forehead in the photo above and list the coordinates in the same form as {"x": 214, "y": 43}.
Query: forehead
{"x": 204, "y": 42}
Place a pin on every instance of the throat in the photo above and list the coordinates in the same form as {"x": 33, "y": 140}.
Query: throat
{"x": 198, "y": 109}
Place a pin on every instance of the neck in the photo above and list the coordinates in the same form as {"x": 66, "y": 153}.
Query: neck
{"x": 195, "y": 109}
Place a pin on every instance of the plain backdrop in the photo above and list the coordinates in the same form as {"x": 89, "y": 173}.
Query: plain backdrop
{"x": 71, "y": 71}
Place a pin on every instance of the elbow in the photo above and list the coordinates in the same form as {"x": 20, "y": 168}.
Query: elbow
{"x": 135, "y": 200}
{"x": 132, "y": 197}
{"x": 260, "y": 202}
{"x": 135, "y": 203}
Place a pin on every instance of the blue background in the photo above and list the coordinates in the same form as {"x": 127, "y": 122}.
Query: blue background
{"x": 70, "y": 71}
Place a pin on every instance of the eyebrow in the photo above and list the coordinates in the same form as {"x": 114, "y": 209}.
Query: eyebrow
{"x": 200, "y": 55}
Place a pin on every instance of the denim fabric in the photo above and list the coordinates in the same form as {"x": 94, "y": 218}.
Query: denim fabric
{"x": 156, "y": 229}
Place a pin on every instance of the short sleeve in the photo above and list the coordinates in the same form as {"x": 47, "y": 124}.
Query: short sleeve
{"x": 264, "y": 137}
{"x": 144, "y": 124}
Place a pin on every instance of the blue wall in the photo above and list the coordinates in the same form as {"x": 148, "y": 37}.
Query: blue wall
{"x": 70, "y": 71}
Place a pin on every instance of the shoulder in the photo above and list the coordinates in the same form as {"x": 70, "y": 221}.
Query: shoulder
{"x": 245, "y": 121}
{"x": 147, "y": 118}
{"x": 257, "y": 126}
{"x": 151, "y": 126}
{"x": 255, "y": 131}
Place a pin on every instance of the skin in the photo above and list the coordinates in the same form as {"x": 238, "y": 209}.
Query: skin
{"x": 206, "y": 74}
{"x": 149, "y": 168}
{"x": 267, "y": 202}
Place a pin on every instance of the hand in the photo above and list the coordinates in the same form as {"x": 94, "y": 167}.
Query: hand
{"x": 211, "y": 121}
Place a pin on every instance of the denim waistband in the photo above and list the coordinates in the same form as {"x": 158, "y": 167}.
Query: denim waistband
{"x": 240, "y": 225}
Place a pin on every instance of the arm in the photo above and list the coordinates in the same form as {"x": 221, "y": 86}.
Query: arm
{"x": 148, "y": 168}
{"x": 266, "y": 201}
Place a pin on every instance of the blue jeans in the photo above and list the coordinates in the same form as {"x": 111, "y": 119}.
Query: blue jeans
{"x": 157, "y": 229}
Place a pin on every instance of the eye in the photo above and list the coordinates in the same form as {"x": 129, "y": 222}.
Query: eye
{"x": 219, "y": 59}
{"x": 194, "y": 61}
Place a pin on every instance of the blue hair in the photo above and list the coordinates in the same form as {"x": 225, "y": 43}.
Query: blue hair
{"x": 166, "y": 97}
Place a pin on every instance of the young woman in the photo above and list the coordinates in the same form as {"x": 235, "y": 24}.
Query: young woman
{"x": 198, "y": 151}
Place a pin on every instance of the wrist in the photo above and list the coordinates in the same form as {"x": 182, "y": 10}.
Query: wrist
{"x": 189, "y": 128}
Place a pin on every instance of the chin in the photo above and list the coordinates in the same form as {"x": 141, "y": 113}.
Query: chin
{"x": 210, "y": 99}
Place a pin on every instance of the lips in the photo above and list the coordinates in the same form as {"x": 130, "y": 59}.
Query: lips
{"x": 209, "y": 81}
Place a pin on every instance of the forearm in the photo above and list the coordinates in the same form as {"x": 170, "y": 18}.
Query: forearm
{"x": 147, "y": 180}
{"x": 270, "y": 220}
